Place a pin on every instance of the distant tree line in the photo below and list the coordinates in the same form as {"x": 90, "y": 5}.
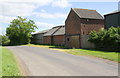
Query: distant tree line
{"x": 108, "y": 40}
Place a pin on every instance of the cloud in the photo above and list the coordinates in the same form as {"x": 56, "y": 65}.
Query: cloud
{"x": 44, "y": 25}
{"x": 47, "y": 15}
{"x": 61, "y": 3}
{"x": 93, "y": 0}
{"x": 2, "y": 30}
{"x": 40, "y": 2}
{"x": 6, "y": 19}
{"x": 27, "y": 7}
{"x": 17, "y": 9}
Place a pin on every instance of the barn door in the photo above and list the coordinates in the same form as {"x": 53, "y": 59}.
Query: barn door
{"x": 75, "y": 41}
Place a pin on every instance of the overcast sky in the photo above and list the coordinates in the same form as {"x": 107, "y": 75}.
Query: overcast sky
{"x": 47, "y": 13}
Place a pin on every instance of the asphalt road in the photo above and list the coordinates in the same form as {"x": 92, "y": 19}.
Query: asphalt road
{"x": 35, "y": 61}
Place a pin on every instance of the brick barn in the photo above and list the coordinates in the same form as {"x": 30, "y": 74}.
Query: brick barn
{"x": 37, "y": 38}
{"x": 59, "y": 36}
{"x": 79, "y": 23}
{"x": 112, "y": 19}
{"x": 48, "y": 37}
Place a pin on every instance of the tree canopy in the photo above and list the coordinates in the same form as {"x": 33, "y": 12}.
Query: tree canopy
{"x": 106, "y": 39}
{"x": 19, "y": 30}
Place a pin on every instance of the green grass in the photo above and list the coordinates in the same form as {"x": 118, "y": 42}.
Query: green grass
{"x": 9, "y": 64}
{"x": 0, "y": 61}
{"x": 113, "y": 56}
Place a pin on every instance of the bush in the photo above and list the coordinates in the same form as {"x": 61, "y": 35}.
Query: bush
{"x": 106, "y": 39}
{"x": 4, "y": 41}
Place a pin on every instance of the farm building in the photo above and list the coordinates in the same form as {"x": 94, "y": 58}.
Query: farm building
{"x": 48, "y": 37}
{"x": 78, "y": 25}
{"x": 37, "y": 38}
{"x": 59, "y": 36}
{"x": 111, "y": 19}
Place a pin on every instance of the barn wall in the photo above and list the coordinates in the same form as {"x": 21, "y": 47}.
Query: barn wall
{"x": 72, "y": 28}
{"x": 88, "y": 25}
{"x": 47, "y": 40}
{"x": 73, "y": 41}
{"x": 37, "y": 38}
{"x": 72, "y": 24}
{"x": 85, "y": 43}
{"x": 59, "y": 40}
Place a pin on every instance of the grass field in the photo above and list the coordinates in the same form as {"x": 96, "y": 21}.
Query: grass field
{"x": 9, "y": 64}
{"x": 0, "y": 61}
{"x": 113, "y": 56}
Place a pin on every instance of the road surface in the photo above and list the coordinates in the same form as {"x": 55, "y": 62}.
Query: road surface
{"x": 35, "y": 61}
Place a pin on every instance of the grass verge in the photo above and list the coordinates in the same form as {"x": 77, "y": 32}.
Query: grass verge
{"x": 9, "y": 64}
{"x": 113, "y": 56}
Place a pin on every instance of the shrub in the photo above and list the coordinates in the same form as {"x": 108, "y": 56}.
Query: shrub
{"x": 4, "y": 41}
{"x": 106, "y": 39}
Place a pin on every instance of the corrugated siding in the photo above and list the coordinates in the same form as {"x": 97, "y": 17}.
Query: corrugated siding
{"x": 111, "y": 20}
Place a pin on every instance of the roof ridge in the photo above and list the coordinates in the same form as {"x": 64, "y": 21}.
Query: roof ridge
{"x": 56, "y": 30}
{"x": 84, "y": 9}
{"x": 58, "y": 26}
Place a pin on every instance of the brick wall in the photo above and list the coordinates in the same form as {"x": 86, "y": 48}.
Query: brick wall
{"x": 88, "y": 25}
{"x": 47, "y": 40}
{"x": 72, "y": 23}
{"x": 59, "y": 40}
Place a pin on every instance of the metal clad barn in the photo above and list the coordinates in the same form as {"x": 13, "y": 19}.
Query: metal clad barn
{"x": 37, "y": 38}
{"x": 59, "y": 36}
{"x": 112, "y": 19}
{"x": 79, "y": 23}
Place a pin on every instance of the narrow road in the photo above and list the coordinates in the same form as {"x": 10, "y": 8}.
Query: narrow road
{"x": 36, "y": 61}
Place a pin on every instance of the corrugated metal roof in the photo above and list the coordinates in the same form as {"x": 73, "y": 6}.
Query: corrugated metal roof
{"x": 60, "y": 31}
{"x": 86, "y": 13}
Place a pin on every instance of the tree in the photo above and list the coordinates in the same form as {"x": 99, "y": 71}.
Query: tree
{"x": 19, "y": 31}
{"x": 4, "y": 40}
{"x": 106, "y": 39}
